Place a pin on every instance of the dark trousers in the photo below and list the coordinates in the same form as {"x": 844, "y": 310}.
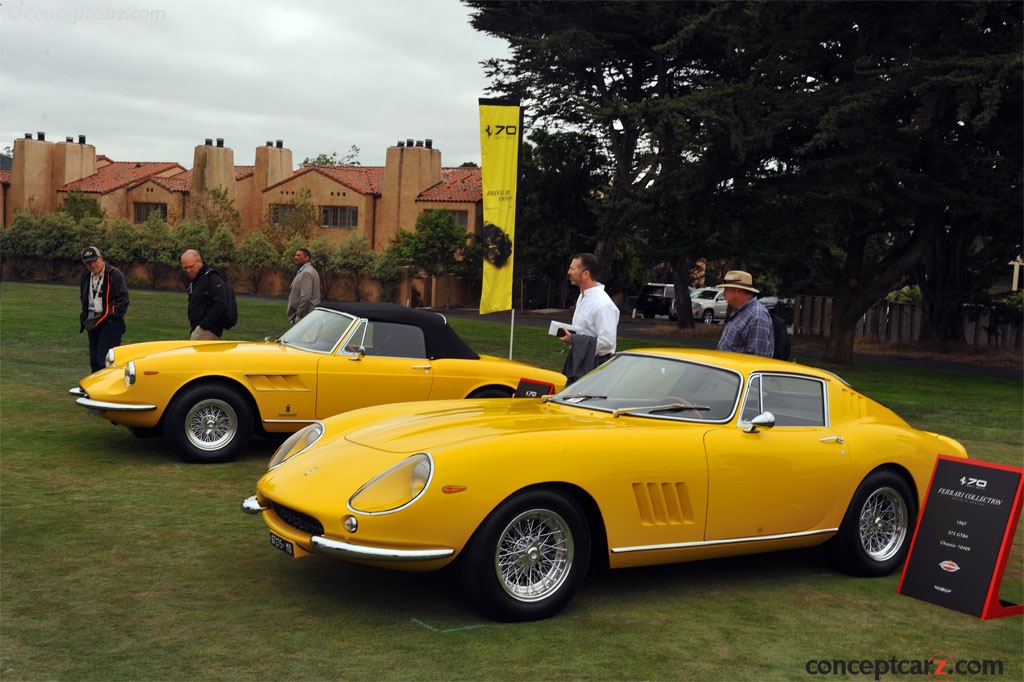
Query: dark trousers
{"x": 102, "y": 339}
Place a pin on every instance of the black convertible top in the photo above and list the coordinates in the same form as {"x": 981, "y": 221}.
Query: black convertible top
{"x": 441, "y": 340}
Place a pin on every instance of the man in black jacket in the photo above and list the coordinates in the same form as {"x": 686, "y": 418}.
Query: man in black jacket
{"x": 207, "y": 298}
{"x": 104, "y": 302}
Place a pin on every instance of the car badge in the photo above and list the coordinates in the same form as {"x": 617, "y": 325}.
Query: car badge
{"x": 949, "y": 566}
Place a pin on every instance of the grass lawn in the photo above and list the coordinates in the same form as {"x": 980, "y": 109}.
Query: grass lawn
{"x": 119, "y": 562}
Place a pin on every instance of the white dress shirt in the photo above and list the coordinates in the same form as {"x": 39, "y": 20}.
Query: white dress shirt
{"x": 597, "y": 315}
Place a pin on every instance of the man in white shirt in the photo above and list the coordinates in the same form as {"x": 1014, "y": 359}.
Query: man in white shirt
{"x": 596, "y": 314}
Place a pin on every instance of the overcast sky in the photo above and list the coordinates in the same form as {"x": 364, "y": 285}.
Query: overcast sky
{"x": 149, "y": 80}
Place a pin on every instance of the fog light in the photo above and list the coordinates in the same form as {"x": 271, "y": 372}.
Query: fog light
{"x": 351, "y": 524}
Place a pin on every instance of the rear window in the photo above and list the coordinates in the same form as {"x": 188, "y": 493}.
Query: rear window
{"x": 659, "y": 290}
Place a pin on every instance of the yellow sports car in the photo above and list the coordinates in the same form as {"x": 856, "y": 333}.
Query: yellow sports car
{"x": 208, "y": 397}
{"x": 657, "y": 456}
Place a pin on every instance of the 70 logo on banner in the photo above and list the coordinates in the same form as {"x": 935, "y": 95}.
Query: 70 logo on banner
{"x": 511, "y": 131}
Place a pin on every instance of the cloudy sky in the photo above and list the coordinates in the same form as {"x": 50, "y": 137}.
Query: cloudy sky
{"x": 148, "y": 80}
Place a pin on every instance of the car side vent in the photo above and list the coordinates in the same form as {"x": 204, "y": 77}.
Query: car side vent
{"x": 662, "y": 504}
{"x": 298, "y": 520}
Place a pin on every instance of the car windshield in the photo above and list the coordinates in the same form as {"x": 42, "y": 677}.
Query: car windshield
{"x": 657, "y": 386}
{"x": 320, "y": 331}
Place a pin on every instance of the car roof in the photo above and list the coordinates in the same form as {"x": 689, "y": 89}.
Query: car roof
{"x": 441, "y": 340}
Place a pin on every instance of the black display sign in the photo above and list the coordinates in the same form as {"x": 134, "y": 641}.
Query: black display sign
{"x": 963, "y": 537}
{"x": 531, "y": 388}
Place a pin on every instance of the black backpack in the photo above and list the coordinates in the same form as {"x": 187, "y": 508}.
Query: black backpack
{"x": 779, "y": 328}
{"x": 231, "y": 314}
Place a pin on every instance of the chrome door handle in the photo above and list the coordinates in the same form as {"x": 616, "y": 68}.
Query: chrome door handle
{"x": 829, "y": 439}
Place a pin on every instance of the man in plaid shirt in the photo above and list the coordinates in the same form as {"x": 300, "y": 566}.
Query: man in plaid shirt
{"x": 749, "y": 328}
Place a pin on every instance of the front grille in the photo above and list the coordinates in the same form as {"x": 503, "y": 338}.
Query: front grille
{"x": 299, "y": 521}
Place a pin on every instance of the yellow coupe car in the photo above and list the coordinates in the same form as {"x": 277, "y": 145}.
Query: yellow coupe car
{"x": 208, "y": 397}
{"x": 657, "y": 456}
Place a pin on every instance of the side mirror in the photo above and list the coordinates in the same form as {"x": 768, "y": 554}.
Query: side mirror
{"x": 765, "y": 420}
{"x": 359, "y": 355}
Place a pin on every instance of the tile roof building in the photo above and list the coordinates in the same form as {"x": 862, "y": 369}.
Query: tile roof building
{"x": 373, "y": 201}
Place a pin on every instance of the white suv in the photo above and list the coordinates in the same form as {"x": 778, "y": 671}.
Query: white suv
{"x": 709, "y": 305}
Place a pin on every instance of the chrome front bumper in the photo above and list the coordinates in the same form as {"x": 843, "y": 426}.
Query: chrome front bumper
{"x": 350, "y": 552}
{"x": 101, "y": 406}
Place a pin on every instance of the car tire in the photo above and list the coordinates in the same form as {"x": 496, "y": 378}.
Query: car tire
{"x": 708, "y": 317}
{"x": 528, "y": 558}
{"x": 874, "y": 537}
{"x": 207, "y": 424}
{"x": 492, "y": 392}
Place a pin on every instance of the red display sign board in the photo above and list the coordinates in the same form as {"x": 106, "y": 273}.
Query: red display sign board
{"x": 964, "y": 534}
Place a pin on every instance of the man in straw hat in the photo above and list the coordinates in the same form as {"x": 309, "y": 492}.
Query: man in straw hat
{"x": 749, "y": 328}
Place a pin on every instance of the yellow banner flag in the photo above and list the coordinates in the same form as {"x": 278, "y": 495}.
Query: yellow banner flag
{"x": 500, "y": 128}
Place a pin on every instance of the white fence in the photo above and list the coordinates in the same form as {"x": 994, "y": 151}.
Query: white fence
{"x": 812, "y": 316}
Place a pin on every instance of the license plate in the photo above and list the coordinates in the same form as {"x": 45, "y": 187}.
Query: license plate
{"x": 282, "y": 545}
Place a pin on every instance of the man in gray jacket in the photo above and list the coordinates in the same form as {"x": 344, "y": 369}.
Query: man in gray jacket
{"x": 304, "y": 294}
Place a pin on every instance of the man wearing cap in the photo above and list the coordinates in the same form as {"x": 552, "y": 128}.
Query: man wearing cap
{"x": 104, "y": 303}
{"x": 749, "y": 329}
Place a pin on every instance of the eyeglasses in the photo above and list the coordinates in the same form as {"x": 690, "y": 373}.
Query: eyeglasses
{"x": 190, "y": 265}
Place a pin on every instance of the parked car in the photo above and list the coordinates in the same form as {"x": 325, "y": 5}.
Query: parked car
{"x": 657, "y": 299}
{"x": 657, "y": 456}
{"x": 208, "y": 397}
{"x": 709, "y": 305}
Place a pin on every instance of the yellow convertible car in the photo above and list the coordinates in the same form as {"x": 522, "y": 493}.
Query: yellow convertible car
{"x": 657, "y": 456}
{"x": 208, "y": 397}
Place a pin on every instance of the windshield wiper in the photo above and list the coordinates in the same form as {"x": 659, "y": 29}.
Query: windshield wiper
{"x": 584, "y": 396}
{"x": 671, "y": 407}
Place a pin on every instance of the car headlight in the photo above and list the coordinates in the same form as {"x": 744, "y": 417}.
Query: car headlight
{"x": 129, "y": 373}
{"x": 108, "y": 359}
{"x": 296, "y": 443}
{"x": 396, "y": 488}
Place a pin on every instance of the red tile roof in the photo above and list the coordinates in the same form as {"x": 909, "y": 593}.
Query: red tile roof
{"x": 182, "y": 182}
{"x": 119, "y": 174}
{"x": 462, "y": 184}
{"x": 363, "y": 179}
{"x": 243, "y": 172}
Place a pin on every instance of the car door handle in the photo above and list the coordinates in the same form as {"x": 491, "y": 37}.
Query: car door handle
{"x": 425, "y": 368}
{"x": 829, "y": 439}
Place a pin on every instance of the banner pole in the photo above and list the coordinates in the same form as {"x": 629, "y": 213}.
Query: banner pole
{"x": 511, "y": 333}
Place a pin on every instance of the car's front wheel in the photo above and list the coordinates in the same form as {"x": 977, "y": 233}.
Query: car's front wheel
{"x": 208, "y": 424}
{"x": 874, "y": 537}
{"x": 708, "y": 317}
{"x": 528, "y": 558}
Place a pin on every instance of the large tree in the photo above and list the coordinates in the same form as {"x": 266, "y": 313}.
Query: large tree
{"x": 835, "y": 140}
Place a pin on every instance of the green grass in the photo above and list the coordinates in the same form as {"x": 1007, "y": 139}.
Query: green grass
{"x": 119, "y": 562}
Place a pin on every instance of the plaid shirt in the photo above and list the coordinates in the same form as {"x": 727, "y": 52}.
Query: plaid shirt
{"x": 749, "y": 330}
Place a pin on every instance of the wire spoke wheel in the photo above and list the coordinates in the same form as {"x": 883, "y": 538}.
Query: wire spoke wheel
{"x": 883, "y": 524}
{"x": 534, "y": 555}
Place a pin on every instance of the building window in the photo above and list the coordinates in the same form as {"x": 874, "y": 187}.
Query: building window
{"x": 280, "y": 213}
{"x": 143, "y": 211}
{"x": 339, "y": 216}
{"x": 460, "y": 218}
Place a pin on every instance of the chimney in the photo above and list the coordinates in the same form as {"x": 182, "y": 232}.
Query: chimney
{"x": 209, "y": 142}
{"x": 220, "y": 142}
{"x": 69, "y": 138}
{"x": 28, "y": 136}
{"x": 429, "y": 143}
{"x": 280, "y": 144}
{"x": 81, "y": 139}
{"x": 41, "y": 136}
